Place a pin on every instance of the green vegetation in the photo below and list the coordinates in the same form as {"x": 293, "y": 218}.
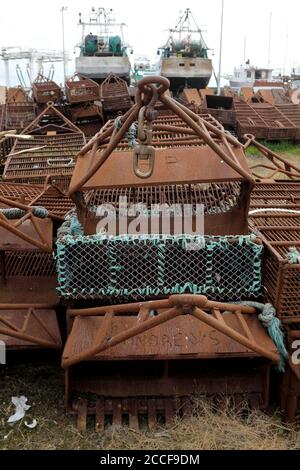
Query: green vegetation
{"x": 283, "y": 147}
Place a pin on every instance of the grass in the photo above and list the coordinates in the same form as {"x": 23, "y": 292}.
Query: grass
{"x": 283, "y": 148}
{"x": 208, "y": 428}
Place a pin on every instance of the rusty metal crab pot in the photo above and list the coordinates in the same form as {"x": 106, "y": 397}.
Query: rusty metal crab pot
{"x": 290, "y": 387}
{"x": 50, "y": 150}
{"x": 45, "y": 90}
{"x": 114, "y": 94}
{"x": 144, "y": 360}
{"x": 274, "y": 213}
{"x": 80, "y": 89}
{"x": 28, "y": 299}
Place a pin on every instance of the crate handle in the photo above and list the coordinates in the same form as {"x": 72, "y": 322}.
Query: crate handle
{"x": 53, "y": 161}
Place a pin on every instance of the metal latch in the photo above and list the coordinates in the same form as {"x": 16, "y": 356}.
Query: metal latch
{"x": 143, "y": 152}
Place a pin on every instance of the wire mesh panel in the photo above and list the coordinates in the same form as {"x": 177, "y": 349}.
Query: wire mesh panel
{"x": 132, "y": 266}
{"x": 27, "y": 264}
{"x": 52, "y": 155}
{"x": 276, "y": 220}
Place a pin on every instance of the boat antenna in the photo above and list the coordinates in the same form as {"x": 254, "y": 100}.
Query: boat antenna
{"x": 270, "y": 35}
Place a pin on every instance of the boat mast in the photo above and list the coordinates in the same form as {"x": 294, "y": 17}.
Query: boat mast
{"x": 270, "y": 34}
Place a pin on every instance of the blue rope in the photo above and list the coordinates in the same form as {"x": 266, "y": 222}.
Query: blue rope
{"x": 130, "y": 134}
{"x": 293, "y": 255}
{"x": 274, "y": 327}
{"x": 16, "y": 213}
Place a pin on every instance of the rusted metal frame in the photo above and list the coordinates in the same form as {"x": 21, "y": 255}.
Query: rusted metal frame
{"x": 44, "y": 112}
{"x": 228, "y": 331}
{"x": 270, "y": 155}
{"x": 190, "y": 122}
{"x": 107, "y": 151}
{"x": 196, "y": 118}
{"x": 180, "y": 307}
{"x": 136, "y": 307}
{"x": 277, "y": 228}
{"x": 121, "y": 337}
{"x": 43, "y": 192}
{"x": 275, "y": 172}
{"x": 99, "y": 137}
{"x": 4, "y": 224}
{"x": 20, "y": 333}
{"x": 27, "y": 306}
{"x": 13, "y": 227}
{"x": 285, "y": 243}
{"x": 274, "y": 215}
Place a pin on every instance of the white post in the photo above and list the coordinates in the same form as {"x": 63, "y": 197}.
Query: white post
{"x": 245, "y": 49}
{"x": 220, "y": 51}
{"x": 63, "y": 9}
{"x": 6, "y": 67}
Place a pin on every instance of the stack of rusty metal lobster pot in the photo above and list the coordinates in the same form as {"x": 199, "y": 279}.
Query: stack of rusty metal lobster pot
{"x": 159, "y": 301}
{"x": 32, "y": 207}
{"x": 85, "y": 109}
{"x": 46, "y": 149}
{"x": 274, "y": 215}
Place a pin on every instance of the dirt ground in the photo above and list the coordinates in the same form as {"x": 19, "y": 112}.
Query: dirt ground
{"x": 208, "y": 428}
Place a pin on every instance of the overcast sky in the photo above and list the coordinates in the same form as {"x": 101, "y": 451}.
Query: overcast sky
{"x": 37, "y": 23}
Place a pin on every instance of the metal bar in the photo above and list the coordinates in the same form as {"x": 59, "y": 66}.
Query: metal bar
{"x": 190, "y": 122}
{"x": 228, "y": 331}
{"x": 121, "y": 337}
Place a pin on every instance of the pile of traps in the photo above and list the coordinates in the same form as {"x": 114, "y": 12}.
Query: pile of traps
{"x": 141, "y": 362}
{"x": 165, "y": 280}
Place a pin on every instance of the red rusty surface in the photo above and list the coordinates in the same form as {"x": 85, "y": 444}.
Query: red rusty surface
{"x": 191, "y": 325}
{"x": 182, "y": 356}
{"x": 27, "y": 326}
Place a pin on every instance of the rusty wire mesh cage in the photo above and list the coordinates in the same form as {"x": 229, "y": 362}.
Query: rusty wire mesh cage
{"x": 54, "y": 155}
{"x": 279, "y": 126}
{"x": 80, "y": 89}
{"x": 134, "y": 267}
{"x": 248, "y": 121}
{"x": 275, "y": 215}
{"x": 45, "y": 90}
{"x": 50, "y": 152}
{"x": 18, "y": 115}
{"x": 114, "y": 94}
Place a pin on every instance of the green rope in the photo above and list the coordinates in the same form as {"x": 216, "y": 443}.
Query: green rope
{"x": 274, "y": 327}
{"x": 293, "y": 255}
